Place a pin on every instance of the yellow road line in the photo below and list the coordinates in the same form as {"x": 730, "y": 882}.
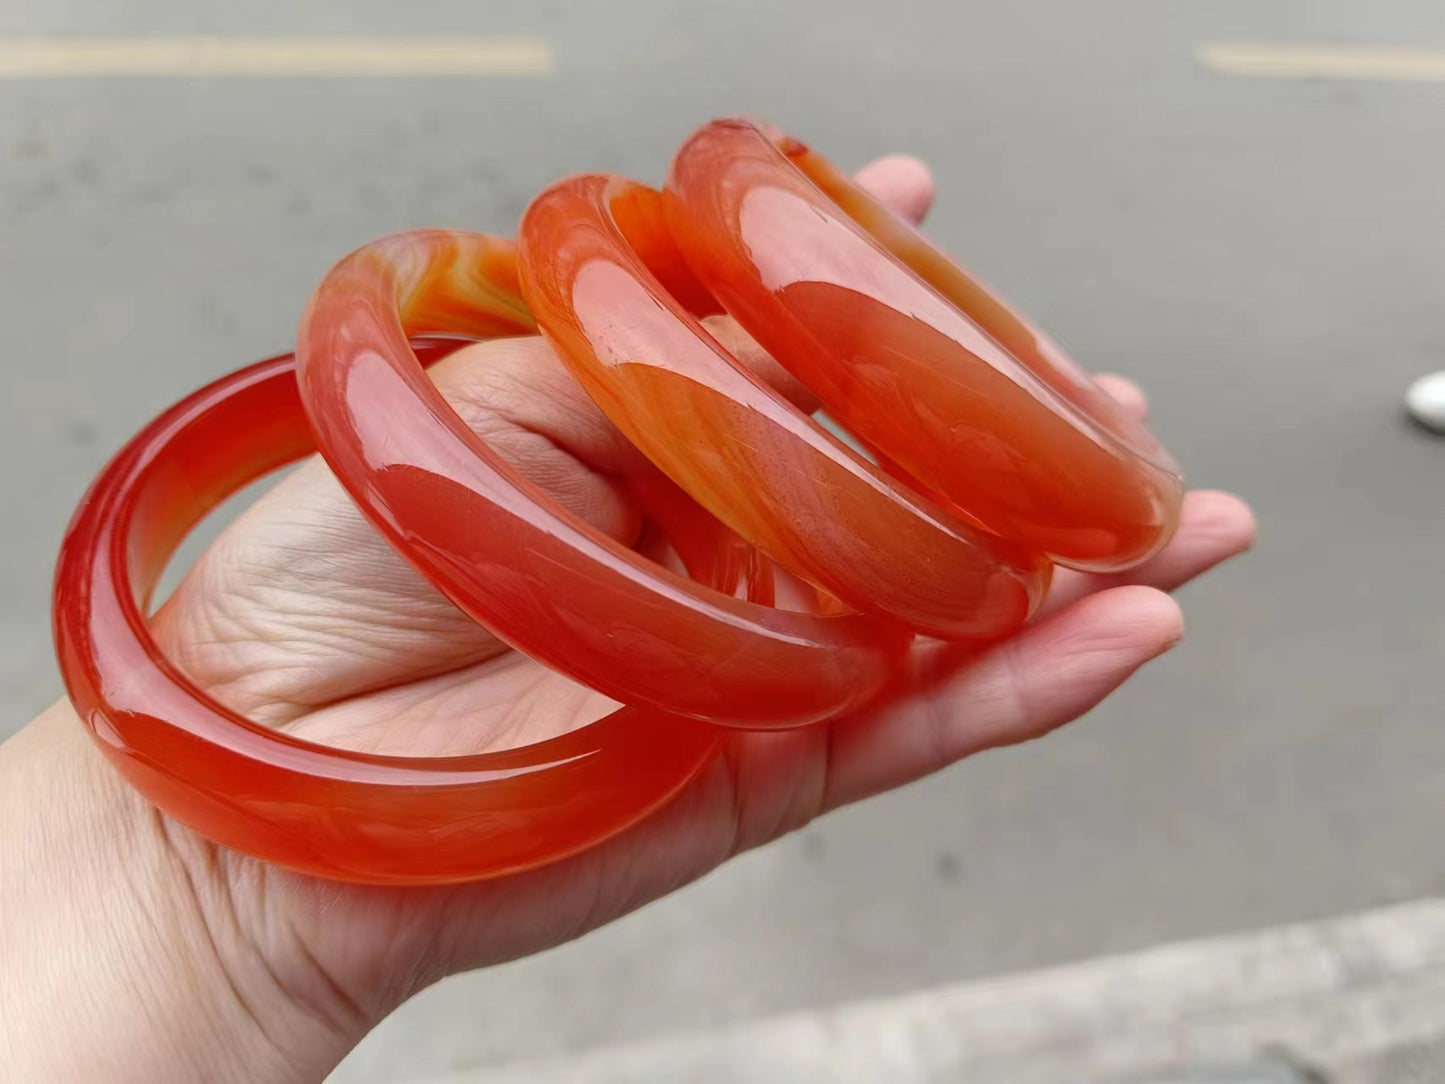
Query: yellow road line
{"x": 1378, "y": 62}
{"x": 305, "y": 57}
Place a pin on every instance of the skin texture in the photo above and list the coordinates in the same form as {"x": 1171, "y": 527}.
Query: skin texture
{"x": 135, "y": 950}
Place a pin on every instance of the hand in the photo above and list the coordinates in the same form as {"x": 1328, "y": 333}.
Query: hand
{"x": 302, "y": 617}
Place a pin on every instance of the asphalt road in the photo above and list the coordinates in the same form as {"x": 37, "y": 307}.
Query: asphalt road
{"x": 1267, "y": 257}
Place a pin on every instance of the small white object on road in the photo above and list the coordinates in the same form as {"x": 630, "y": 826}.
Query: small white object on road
{"x": 1425, "y": 400}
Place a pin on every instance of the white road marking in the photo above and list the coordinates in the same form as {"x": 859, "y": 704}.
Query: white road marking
{"x": 1374, "y": 62}
{"x": 1353, "y": 995}
{"x": 295, "y": 57}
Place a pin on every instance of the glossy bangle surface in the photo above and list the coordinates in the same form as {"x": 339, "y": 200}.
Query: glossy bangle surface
{"x": 331, "y": 812}
{"x": 992, "y": 458}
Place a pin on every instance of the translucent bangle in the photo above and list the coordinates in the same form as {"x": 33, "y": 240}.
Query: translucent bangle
{"x": 991, "y": 457}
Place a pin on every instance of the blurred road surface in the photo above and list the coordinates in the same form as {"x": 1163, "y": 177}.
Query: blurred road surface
{"x": 1267, "y": 257}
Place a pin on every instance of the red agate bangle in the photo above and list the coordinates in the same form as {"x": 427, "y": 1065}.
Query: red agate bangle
{"x": 993, "y": 458}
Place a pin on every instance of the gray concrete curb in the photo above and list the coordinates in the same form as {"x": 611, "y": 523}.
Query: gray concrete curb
{"x": 1357, "y": 1000}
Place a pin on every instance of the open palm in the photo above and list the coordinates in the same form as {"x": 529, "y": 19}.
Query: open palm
{"x": 303, "y": 618}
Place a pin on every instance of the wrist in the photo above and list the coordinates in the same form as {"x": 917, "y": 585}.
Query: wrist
{"x": 127, "y": 953}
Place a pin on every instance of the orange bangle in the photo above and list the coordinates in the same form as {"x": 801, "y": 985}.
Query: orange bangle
{"x": 993, "y": 459}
